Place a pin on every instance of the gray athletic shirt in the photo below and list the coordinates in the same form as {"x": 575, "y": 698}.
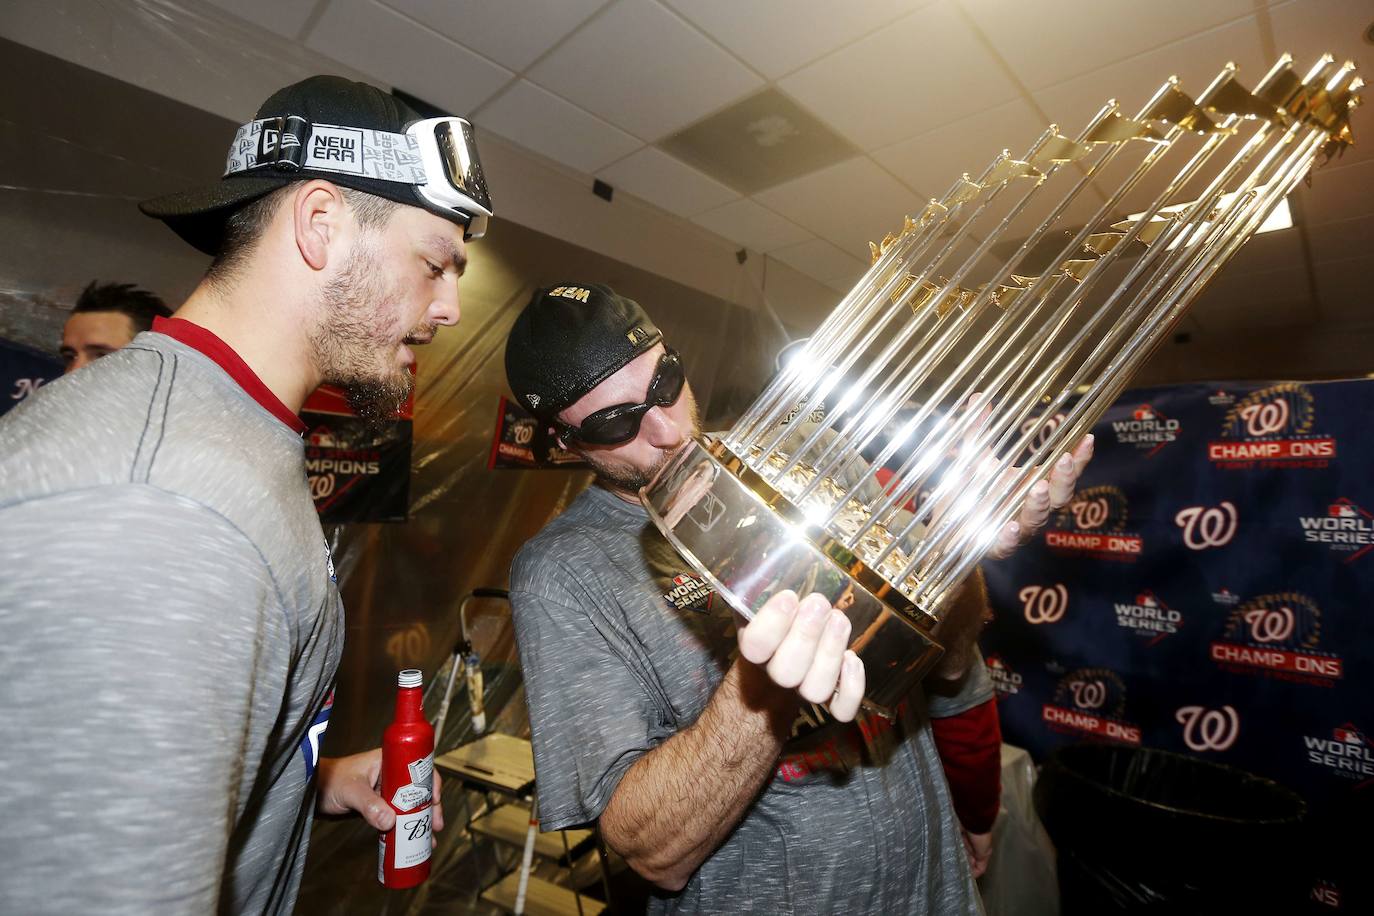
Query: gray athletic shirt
{"x": 169, "y": 634}
{"x": 622, "y": 645}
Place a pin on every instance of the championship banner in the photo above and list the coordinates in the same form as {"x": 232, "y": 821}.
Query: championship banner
{"x": 358, "y": 472}
{"x": 521, "y": 441}
{"x": 1210, "y": 591}
{"x": 22, "y": 371}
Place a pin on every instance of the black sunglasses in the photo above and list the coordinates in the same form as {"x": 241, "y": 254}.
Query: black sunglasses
{"x": 620, "y": 422}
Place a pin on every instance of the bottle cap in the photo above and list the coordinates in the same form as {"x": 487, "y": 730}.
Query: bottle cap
{"x": 410, "y": 677}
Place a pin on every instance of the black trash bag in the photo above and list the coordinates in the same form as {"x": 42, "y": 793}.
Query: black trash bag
{"x": 1140, "y": 830}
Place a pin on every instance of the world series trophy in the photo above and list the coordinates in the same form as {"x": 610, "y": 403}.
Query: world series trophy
{"x": 971, "y": 370}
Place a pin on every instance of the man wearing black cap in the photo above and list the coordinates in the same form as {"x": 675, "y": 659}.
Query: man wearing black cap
{"x": 702, "y": 750}
{"x": 164, "y": 708}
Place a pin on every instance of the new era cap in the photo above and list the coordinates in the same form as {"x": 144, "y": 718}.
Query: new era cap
{"x": 199, "y": 215}
{"x": 568, "y": 340}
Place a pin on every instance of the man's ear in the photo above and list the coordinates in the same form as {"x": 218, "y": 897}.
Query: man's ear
{"x": 318, "y": 211}
{"x": 558, "y": 438}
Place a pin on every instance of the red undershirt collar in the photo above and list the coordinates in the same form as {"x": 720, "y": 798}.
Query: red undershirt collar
{"x": 193, "y": 335}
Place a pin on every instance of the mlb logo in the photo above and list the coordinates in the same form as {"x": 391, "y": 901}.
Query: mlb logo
{"x": 1348, "y": 733}
{"x": 1341, "y": 510}
{"x": 1145, "y": 599}
{"x": 322, "y": 437}
{"x": 1144, "y": 412}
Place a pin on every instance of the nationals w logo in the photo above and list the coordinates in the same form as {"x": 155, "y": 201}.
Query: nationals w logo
{"x": 1043, "y": 427}
{"x": 1089, "y": 513}
{"x": 1094, "y": 509}
{"x": 1208, "y": 526}
{"x": 1270, "y": 624}
{"x": 1209, "y": 729}
{"x": 1265, "y": 418}
{"x": 1044, "y": 603}
{"x": 1088, "y": 694}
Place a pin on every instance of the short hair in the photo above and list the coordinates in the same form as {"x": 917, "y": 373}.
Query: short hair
{"x": 245, "y": 226}
{"x": 139, "y": 305}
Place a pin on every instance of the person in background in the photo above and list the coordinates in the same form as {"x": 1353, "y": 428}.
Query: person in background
{"x": 170, "y": 620}
{"x": 106, "y": 317}
{"x": 728, "y": 764}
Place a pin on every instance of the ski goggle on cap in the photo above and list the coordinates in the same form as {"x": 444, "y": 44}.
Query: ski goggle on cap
{"x": 350, "y": 133}
{"x": 437, "y": 156}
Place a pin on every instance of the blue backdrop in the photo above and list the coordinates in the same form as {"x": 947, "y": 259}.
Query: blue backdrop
{"x": 1211, "y": 591}
{"x": 22, "y": 371}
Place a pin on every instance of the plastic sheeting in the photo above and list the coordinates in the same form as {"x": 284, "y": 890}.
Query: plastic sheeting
{"x": 1021, "y": 879}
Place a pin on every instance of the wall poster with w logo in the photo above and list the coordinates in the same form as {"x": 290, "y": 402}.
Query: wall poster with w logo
{"x": 359, "y": 470}
{"x": 1210, "y": 591}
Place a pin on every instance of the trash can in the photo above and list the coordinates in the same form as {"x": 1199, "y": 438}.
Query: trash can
{"x": 1140, "y": 830}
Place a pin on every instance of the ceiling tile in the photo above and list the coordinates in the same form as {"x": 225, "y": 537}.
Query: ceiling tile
{"x": 845, "y": 282}
{"x": 1281, "y": 250}
{"x": 202, "y": 56}
{"x": 642, "y": 68}
{"x": 851, "y": 204}
{"x": 933, "y": 160}
{"x": 1239, "y": 319}
{"x": 512, "y": 33}
{"x": 746, "y": 223}
{"x": 391, "y": 48}
{"x": 1348, "y": 238}
{"x": 285, "y": 17}
{"x": 776, "y": 37}
{"x": 1052, "y": 40}
{"x": 541, "y": 121}
{"x": 896, "y": 83}
{"x": 660, "y": 179}
{"x": 1338, "y": 193}
{"x": 1308, "y": 29}
{"x": 819, "y": 260}
{"x": 1196, "y": 61}
{"x": 759, "y": 141}
{"x": 1272, "y": 298}
{"x": 1344, "y": 290}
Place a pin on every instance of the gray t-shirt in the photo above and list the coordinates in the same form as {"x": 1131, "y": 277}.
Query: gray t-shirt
{"x": 622, "y": 645}
{"x": 169, "y": 635}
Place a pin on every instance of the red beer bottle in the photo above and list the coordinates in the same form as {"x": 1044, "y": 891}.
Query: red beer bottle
{"x": 408, "y": 785}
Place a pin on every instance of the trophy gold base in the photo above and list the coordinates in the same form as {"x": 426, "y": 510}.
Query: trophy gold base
{"x": 750, "y": 543}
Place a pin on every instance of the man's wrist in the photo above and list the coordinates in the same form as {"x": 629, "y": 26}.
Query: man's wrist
{"x": 775, "y": 707}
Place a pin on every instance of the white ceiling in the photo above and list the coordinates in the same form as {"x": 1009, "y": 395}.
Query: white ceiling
{"x": 923, "y": 89}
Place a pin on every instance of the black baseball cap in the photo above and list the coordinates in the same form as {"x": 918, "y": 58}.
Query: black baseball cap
{"x": 569, "y": 339}
{"x": 199, "y": 215}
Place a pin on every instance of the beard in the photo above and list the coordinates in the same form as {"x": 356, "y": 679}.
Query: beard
{"x": 356, "y": 341}
{"x": 623, "y": 475}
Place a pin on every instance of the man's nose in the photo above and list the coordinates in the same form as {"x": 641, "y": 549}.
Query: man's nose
{"x": 444, "y": 309}
{"x": 662, "y": 431}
